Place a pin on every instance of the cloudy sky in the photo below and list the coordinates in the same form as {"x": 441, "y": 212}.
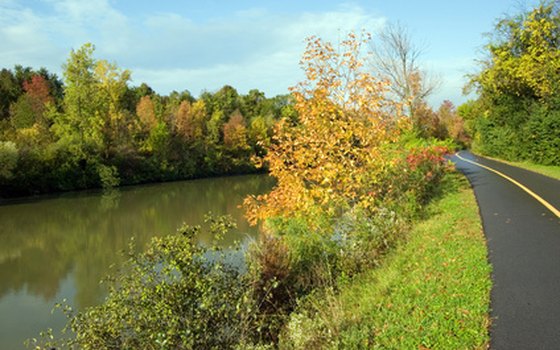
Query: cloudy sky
{"x": 203, "y": 45}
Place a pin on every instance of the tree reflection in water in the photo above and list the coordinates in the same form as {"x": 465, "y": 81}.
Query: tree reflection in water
{"x": 76, "y": 237}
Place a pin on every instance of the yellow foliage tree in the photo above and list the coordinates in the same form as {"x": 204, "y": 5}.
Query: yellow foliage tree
{"x": 335, "y": 155}
{"x": 235, "y": 132}
{"x": 184, "y": 121}
{"x": 145, "y": 110}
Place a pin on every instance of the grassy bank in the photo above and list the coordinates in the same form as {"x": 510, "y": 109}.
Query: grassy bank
{"x": 547, "y": 170}
{"x": 431, "y": 293}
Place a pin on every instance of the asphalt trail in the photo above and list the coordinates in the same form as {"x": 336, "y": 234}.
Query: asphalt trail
{"x": 523, "y": 240}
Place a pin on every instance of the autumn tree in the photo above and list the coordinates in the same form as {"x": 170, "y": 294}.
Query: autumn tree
{"x": 453, "y": 124}
{"x": 190, "y": 121}
{"x": 427, "y": 123}
{"x": 146, "y": 113}
{"x": 330, "y": 160}
{"x": 38, "y": 89}
{"x": 174, "y": 101}
{"x": 185, "y": 121}
{"x": 199, "y": 113}
{"x": 30, "y": 106}
{"x": 396, "y": 59}
{"x": 235, "y": 132}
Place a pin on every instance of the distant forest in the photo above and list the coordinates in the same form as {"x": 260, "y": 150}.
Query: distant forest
{"x": 93, "y": 130}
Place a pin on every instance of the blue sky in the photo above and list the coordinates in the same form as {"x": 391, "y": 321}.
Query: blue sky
{"x": 198, "y": 45}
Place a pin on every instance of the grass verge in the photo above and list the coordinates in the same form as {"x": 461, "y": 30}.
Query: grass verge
{"x": 433, "y": 291}
{"x": 547, "y": 170}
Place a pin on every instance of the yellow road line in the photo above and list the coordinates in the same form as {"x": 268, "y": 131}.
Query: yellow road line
{"x": 533, "y": 194}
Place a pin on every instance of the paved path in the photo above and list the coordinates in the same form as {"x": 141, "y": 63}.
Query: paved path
{"x": 524, "y": 250}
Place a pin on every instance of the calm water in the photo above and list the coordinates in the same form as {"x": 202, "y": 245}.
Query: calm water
{"x": 61, "y": 247}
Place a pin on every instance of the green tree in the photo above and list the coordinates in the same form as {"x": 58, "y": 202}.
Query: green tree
{"x": 226, "y": 100}
{"x": 8, "y": 159}
{"x": 524, "y": 55}
{"x": 22, "y": 114}
{"x": 253, "y": 104}
{"x": 214, "y": 127}
{"x": 9, "y": 92}
{"x": 259, "y": 134}
{"x": 112, "y": 87}
{"x": 519, "y": 85}
{"x": 81, "y": 123}
{"x": 158, "y": 141}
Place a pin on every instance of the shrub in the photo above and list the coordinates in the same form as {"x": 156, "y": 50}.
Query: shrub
{"x": 542, "y": 138}
{"x": 287, "y": 263}
{"x": 8, "y": 159}
{"x": 362, "y": 239}
{"x": 108, "y": 176}
{"x": 175, "y": 295}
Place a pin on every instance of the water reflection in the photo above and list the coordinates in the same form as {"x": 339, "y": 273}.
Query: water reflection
{"x": 62, "y": 247}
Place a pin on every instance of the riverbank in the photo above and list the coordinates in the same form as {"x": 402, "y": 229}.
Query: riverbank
{"x": 432, "y": 292}
{"x": 58, "y": 248}
{"x": 24, "y": 198}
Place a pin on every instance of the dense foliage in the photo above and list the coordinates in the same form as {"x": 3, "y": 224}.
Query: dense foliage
{"x": 517, "y": 116}
{"x": 175, "y": 295}
{"x": 431, "y": 293}
{"x": 348, "y": 150}
{"x": 97, "y": 131}
{"x": 351, "y": 174}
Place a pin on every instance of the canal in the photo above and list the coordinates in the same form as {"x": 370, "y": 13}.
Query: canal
{"x": 61, "y": 247}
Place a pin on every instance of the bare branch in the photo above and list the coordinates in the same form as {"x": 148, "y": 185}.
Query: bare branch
{"x": 395, "y": 58}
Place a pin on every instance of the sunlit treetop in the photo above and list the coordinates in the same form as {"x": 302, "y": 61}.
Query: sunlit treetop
{"x": 329, "y": 160}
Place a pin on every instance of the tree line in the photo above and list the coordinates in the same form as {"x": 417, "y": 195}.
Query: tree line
{"x": 517, "y": 113}
{"x": 94, "y": 130}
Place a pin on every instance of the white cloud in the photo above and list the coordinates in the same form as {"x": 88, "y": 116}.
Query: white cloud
{"x": 21, "y": 38}
{"x": 45, "y": 39}
{"x": 452, "y": 73}
{"x": 252, "y": 48}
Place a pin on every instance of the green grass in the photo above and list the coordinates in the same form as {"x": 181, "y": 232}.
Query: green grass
{"x": 548, "y": 170}
{"x": 432, "y": 292}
